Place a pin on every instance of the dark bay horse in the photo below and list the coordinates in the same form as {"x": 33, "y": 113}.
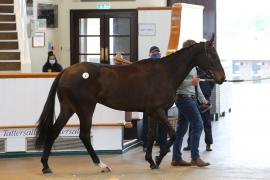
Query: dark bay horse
{"x": 144, "y": 86}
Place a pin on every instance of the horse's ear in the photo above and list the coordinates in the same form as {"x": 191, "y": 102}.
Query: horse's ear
{"x": 210, "y": 43}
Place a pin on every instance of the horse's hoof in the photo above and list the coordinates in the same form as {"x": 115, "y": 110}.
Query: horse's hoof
{"x": 106, "y": 169}
{"x": 153, "y": 166}
{"x": 46, "y": 171}
{"x": 158, "y": 160}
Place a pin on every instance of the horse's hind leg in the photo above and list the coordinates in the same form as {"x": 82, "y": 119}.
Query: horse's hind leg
{"x": 150, "y": 139}
{"x": 61, "y": 121}
{"x": 163, "y": 120}
{"x": 85, "y": 116}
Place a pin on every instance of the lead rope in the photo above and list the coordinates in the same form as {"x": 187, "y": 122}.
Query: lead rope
{"x": 237, "y": 80}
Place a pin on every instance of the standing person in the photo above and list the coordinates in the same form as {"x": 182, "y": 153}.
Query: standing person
{"x": 154, "y": 53}
{"x": 206, "y": 87}
{"x": 51, "y": 64}
{"x": 188, "y": 112}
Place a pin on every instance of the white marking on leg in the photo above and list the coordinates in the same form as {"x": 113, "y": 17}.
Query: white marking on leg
{"x": 104, "y": 167}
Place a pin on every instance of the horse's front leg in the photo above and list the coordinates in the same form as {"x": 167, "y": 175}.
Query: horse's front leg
{"x": 163, "y": 120}
{"x": 151, "y": 137}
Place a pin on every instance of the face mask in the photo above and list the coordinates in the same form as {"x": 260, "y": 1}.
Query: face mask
{"x": 155, "y": 56}
{"x": 52, "y": 61}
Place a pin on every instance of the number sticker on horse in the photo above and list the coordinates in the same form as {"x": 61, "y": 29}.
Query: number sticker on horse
{"x": 85, "y": 75}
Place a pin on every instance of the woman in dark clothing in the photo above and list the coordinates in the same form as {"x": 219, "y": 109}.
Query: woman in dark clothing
{"x": 51, "y": 65}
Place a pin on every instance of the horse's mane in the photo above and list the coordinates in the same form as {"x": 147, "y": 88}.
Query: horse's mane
{"x": 165, "y": 58}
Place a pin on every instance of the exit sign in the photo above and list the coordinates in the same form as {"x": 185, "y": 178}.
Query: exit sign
{"x": 103, "y": 6}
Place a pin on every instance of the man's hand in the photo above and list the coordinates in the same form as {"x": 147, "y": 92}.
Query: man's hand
{"x": 205, "y": 101}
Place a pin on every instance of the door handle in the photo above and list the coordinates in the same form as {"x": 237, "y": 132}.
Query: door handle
{"x": 101, "y": 54}
{"x": 106, "y": 54}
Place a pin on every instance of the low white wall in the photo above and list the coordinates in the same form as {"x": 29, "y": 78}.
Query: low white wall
{"x": 22, "y": 100}
{"x": 161, "y": 20}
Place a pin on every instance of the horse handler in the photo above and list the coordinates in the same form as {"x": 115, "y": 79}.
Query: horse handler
{"x": 188, "y": 112}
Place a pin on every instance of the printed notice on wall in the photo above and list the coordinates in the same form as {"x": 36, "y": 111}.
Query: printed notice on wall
{"x": 147, "y": 29}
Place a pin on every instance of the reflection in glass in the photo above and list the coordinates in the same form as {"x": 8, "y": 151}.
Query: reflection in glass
{"x": 119, "y": 26}
{"x": 89, "y": 26}
{"x": 89, "y": 45}
{"x": 90, "y": 58}
{"x": 120, "y": 44}
{"x": 111, "y": 60}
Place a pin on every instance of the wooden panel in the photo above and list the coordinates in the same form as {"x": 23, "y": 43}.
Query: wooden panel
{"x": 10, "y": 66}
{"x": 197, "y": 2}
{"x": 7, "y": 26}
{"x": 7, "y": 17}
{"x": 7, "y": 2}
{"x": 6, "y": 9}
{"x": 68, "y": 125}
{"x": 10, "y": 36}
{"x": 8, "y": 45}
{"x": 28, "y": 75}
{"x": 175, "y": 28}
{"x": 9, "y": 55}
{"x": 209, "y": 14}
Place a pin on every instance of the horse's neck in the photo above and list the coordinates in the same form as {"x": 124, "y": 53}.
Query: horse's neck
{"x": 179, "y": 66}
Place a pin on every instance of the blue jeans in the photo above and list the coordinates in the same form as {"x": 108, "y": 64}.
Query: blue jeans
{"x": 187, "y": 113}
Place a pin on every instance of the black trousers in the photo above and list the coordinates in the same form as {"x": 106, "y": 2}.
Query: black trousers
{"x": 161, "y": 132}
{"x": 206, "y": 117}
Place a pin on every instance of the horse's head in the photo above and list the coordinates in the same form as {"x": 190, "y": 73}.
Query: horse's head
{"x": 208, "y": 60}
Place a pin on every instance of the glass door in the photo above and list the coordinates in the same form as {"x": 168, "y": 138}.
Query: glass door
{"x": 99, "y": 35}
{"x": 119, "y": 38}
{"x": 90, "y": 39}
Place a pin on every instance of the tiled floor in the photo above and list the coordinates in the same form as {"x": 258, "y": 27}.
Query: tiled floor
{"x": 241, "y": 151}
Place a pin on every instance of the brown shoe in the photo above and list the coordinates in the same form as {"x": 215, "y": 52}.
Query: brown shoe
{"x": 180, "y": 163}
{"x": 199, "y": 162}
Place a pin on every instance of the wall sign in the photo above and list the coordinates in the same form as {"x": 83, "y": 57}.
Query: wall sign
{"x": 31, "y": 132}
{"x": 104, "y": 6}
{"x": 38, "y": 40}
{"x": 147, "y": 29}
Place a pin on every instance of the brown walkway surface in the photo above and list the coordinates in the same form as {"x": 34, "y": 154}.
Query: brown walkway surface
{"x": 240, "y": 151}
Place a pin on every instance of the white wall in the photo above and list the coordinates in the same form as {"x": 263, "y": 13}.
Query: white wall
{"x": 191, "y": 27}
{"x": 243, "y": 29}
{"x": 191, "y": 23}
{"x": 39, "y": 55}
{"x": 60, "y": 36}
{"x": 162, "y": 21}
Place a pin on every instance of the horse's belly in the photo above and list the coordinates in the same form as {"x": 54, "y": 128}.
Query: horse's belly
{"x": 124, "y": 103}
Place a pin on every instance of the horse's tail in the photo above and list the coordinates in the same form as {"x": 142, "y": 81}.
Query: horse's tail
{"x": 45, "y": 121}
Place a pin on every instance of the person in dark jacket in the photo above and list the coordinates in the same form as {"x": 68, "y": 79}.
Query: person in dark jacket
{"x": 161, "y": 140}
{"x": 51, "y": 64}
